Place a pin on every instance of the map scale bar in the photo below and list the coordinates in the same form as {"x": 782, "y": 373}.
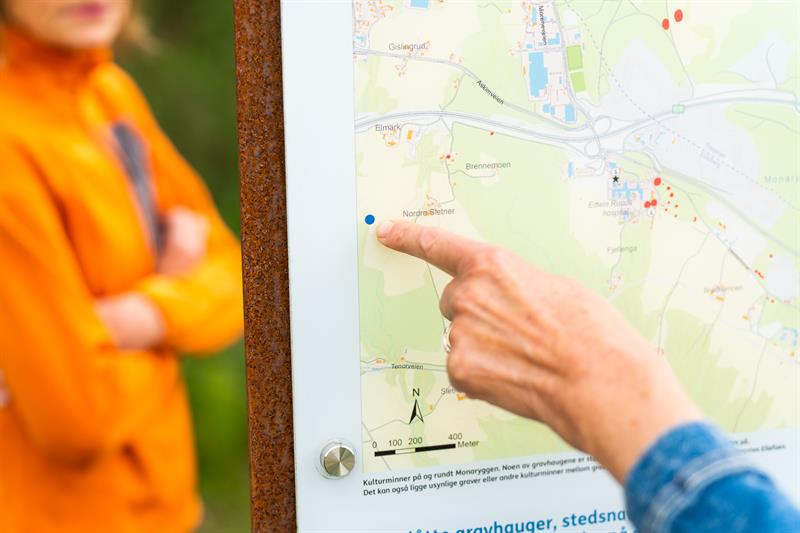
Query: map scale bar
{"x": 418, "y": 449}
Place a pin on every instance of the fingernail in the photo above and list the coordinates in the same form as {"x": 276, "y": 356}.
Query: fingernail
{"x": 384, "y": 228}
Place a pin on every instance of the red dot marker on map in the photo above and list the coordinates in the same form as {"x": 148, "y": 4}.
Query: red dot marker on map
{"x": 657, "y": 182}
{"x": 647, "y": 205}
{"x": 665, "y": 24}
{"x": 678, "y": 15}
{"x": 654, "y": 202}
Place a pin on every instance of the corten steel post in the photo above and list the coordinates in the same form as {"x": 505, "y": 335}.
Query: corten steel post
{"x": 266, "y": 268}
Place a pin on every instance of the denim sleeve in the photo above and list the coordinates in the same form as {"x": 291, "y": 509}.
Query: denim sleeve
{"x": 694, "y": 480}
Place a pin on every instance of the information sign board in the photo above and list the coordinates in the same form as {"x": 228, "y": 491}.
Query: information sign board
{"x": 650, "y": 153}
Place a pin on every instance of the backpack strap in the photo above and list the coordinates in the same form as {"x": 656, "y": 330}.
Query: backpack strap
{"x": 131, "y": 152}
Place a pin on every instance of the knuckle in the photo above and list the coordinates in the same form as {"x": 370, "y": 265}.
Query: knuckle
{"x": 445, "y": 305}
{"x": 497, "y": 257}
{"x": 448, "y": 304}
{"x": 428, "y": 238}
{"x": 458, "y": 368}
{"x": 493, "y": 261}
{"x": 460, "y": 361}
{"x": 464, "y": 299}
{"x": 456, "y": 335}
{"x": 547, "y": 387}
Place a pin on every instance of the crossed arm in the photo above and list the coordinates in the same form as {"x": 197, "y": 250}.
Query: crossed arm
{"x": 133, "y": 320}
{"x": 93, "y": 358}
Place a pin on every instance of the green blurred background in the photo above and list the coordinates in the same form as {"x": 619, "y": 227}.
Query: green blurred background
{"x": 190, "y": 83}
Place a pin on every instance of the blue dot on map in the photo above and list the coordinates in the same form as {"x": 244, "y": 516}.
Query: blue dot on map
{"x": 369, "y": 219}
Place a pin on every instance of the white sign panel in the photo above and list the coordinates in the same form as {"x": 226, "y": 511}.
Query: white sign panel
{"x": 651, "y": 154}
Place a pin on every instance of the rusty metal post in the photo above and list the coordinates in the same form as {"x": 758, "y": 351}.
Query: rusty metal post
{"x": 266, "y": 268}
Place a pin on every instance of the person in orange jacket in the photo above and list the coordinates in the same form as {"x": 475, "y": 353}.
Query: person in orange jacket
{"x": 113, "y": 258}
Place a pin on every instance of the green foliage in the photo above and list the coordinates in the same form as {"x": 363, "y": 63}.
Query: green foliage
{"x": 190, "y": 85}
{"x": 217, "y": 393}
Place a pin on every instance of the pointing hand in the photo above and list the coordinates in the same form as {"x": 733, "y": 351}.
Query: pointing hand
{"x": 546, "y": 348}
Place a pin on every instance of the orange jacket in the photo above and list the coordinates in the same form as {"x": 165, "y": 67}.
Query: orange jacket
{"x": 93, "y": 438}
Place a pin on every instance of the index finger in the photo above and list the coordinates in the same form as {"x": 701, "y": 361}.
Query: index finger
{"x": 438, "y": 247}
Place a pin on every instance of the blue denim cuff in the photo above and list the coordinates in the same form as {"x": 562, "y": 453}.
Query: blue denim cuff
{"x": 675, "y": 470}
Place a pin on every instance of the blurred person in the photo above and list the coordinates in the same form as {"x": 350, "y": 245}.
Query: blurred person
{"x": 546, "y": 348}
{"x": 113, "y": 258}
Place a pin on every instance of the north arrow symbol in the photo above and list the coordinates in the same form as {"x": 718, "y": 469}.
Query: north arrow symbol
{"x": 416, "y": 413}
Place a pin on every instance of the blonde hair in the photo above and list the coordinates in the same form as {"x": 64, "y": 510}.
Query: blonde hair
{"x": 135, "y": 33}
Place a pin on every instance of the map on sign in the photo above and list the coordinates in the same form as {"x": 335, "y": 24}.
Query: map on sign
{"x": 648, "y": 149}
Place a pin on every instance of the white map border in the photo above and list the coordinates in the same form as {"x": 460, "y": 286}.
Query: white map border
{"x": 317, "y": 36}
